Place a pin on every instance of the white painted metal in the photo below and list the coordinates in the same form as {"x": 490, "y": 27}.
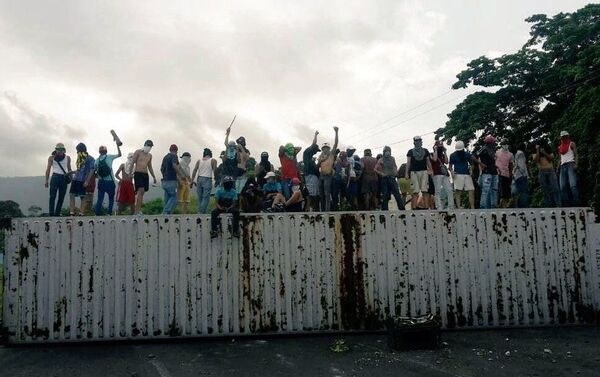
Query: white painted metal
{"x": 155, "y": 276}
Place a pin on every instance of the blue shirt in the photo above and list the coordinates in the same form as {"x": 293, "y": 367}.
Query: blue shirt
{"x": 460, "y": 166}
{"x": 225, "y": 197}
{"x": 272, "y": 187}
{"x": 109, "y": 158}
{"x": 85, "y": 169}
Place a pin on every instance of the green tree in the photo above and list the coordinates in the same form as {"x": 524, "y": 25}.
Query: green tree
{"x": 550, "y": 84}
{"x": 8, "y": 208}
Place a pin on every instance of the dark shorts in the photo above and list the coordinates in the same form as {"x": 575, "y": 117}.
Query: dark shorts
{"x": 142, "y": 181}
{"x": 77, "y": 189}
{"x": 505, "y": 189}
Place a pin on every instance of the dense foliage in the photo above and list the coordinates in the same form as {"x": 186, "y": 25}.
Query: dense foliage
{"x": 551, "y": 84}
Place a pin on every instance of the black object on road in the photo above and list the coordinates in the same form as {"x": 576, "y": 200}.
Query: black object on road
{"x": 411, "y": 333}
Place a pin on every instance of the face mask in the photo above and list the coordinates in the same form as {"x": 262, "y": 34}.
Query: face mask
{"x": 295, "y": 188}
{"x": 418, "y": 143}
{"x": 505, "y": 147}
{"x": 228, "y": 185}
{"x": 387, "y": 153}
{"x": 147, "y": 149}
{"x": 186, "y": 160}
{"x": 103, "y": 152}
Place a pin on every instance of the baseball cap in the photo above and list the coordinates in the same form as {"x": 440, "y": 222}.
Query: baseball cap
{"x": 295, "y": 181}
{"x": 148, "y": 143}
{"x": 459, "y": 146}
{"x": 60, "y": 146}
{"x": 326, "y": 145}
{"x": 186, "y": 154}
{"x": 417, "y": 138}
{"x": 270, "y": 175}
{"x": 564, "y": 133}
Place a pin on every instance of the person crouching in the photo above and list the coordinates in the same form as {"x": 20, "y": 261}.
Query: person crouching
{"x": 227, "y": 200}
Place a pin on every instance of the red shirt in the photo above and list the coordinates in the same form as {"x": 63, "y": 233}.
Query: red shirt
{"x": 289, "y": 168}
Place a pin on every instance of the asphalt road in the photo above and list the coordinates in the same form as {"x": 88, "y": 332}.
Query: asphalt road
{"x": 533, "y": 352}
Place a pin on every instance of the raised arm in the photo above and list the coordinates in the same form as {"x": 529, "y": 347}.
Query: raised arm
{"x": 335, "y": 143}
{"x": 227, "y": 137}
{"x": 119, "y": 150}
{"x": 315, "y": 138}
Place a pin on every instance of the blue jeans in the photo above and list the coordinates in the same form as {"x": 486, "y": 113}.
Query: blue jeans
{"x": 105, "y": 187}
{"x": 489, "y": 191}
{"x": 286, "y": 186}
{"x": 549, "y": 186}
{"x": 170, "y": 198}
{"x": 57, "y": 185}
{"x": 568, "y": 185}
{"x": 522, "y": 192}
{"x": 203, "y": 187}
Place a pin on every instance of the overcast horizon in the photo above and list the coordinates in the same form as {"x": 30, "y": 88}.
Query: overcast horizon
{"x": 178, "y": 72}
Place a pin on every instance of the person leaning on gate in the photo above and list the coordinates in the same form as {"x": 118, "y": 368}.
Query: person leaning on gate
{"x": 461, "y": 165}
{"x": 106, "y": 180}
{"x": 486, "y": 158}
{"x": 226, "y": 202}
{"x": 568, "y": 170}
{"x": 59, "y": 163}
{"x": 544, "y": 159}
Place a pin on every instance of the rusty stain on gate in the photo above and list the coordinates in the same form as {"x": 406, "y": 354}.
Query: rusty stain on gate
{"x": 130, "y": 277}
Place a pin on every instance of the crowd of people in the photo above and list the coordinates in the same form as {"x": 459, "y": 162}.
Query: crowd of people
{"x": 326, "y": 178}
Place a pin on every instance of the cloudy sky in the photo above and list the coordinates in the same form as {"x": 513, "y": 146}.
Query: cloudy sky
{"x": 178, "y": 71}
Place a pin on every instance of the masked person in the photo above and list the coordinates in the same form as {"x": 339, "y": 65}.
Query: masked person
{"x": 296, "y": 201}
{"x": 106, "y": 180}
{"x": 418, "y": 166}
{"x": 184, "y": 181}
{"x": 59, "y": 163}
{"x": 341, "y": 180}
{"x": 289, "y": 167}
{"x": 170, "y": 169}
{"x": 354, "y": 182}
{"x": 369, "y": 185}
{"x": 547, "y": 175}
{"x": 243, "y": 155}
{"x": 206, "y": 168}
{"x": 520, "y": 177}
{"x": 230, "y": 160}
{"x": 441, "y": 179}
{"x": 505, "y": 161}
{"x": 262, "y": 168}
{"x": 386, "y": 168}
{"x": 272, "y": 190}
{"x": 311, "y": 174}
{"x": 251, "y": 199}
{"x": 227, "y": 202}
{"x": 84, "y": 171}
{"x": 142, "y": 161}
{"x": 325, "y": 165}
{"x": 568, "y": 170}
{"x": 461, "y": 164}
{"x": 125, "y": 191}
{"x": 486, "y": 158}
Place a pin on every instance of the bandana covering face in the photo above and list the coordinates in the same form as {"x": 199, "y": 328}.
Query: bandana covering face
{"x": 418, "y": 151}
{"x": 147, "y": 148}
{"x": 81, "y": 156}
{"x": 289, "y": 150}
{"x": 565, "y": 144}
{"x": 231, "y": 152}
{"x": 388, "y": 161}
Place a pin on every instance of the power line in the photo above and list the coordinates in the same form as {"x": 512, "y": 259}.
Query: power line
{"x": 400, "y": 114}
{"x": 581, "y": 81}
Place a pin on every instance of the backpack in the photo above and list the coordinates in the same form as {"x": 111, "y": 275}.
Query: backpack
{"x": 103, "y": 169}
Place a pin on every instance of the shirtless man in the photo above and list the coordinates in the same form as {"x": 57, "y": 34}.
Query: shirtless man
{"x": 125, "y": 192}
{"x": 325, "y": 165}
{"x": 142, "y": 159}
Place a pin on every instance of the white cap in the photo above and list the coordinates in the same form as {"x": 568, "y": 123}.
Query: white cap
{"x": 564, "y": 133}
{"x": 459, "y": 146}
{"x": 350, "y": 148}
{"x": 270, "y": 175}
{"x": 417, "y": 138}
{"x": 326, "y": 145}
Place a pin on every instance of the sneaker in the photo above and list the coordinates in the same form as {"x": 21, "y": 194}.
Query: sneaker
{"x": 213, "y": 234}
{"x": 236, "y": 233}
